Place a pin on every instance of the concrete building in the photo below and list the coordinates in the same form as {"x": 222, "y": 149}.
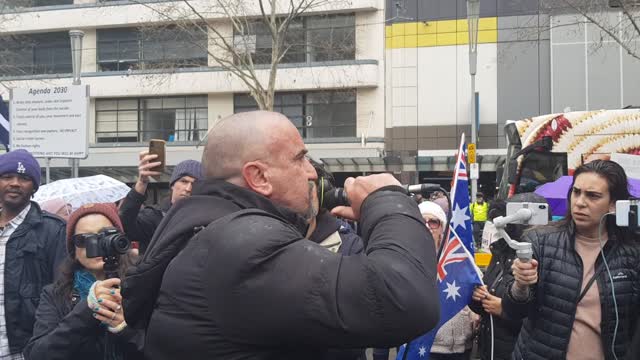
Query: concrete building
{"x": 531, "y": 61}
{"x": 334, "y": 94}
{"x": 396, "y": 98}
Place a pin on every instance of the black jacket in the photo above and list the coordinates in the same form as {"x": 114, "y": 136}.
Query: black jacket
{"x": 65, "y": 329}
{"x": 34, "y": 253}
{"x": 250, "y": 287}
{"x": 327, "y": 225}
{"x": 497, "y": 276}
{"x": 551, "y": 310}
{"x": 139, "y": 221}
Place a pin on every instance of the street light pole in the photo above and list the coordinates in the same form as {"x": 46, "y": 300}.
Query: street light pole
{"x": 473, "y": 18}
{"x": 76, "y": 37}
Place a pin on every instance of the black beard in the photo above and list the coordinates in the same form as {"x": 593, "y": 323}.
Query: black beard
{"x": 16, "y": 207}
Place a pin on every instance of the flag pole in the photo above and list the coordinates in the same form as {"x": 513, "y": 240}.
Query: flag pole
{"x": 48, "y": 170}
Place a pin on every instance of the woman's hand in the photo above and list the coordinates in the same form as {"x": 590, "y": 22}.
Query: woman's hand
{"x": 109, "y": 307}
{"x": 525, "y": 273}
{"x": 109, "y": 312}
{"x": 480, "y": 293}
{"x": 492, "y": 305}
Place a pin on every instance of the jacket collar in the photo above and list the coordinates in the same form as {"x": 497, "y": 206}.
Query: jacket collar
{"x": 326, "y": 224}
{"x": 247, "y": 199}
{"x": 33, "y": 218}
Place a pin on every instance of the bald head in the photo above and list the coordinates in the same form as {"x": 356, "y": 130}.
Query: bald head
{"x": 238, "y": 139}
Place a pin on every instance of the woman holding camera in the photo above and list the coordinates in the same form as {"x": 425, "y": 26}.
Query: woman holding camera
{"x": 80, "y": 316}
{"x": 566, "y": 291}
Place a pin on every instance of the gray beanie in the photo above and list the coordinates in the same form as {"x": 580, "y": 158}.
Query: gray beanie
{"x": 186, "y": 168}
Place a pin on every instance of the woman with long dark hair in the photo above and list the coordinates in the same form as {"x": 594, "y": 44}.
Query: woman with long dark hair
{"x": 80, "y": 316}
{"x": 581, "y": 291}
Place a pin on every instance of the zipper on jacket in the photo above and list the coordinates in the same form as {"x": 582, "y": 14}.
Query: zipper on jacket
{"x": 577, "y": 256}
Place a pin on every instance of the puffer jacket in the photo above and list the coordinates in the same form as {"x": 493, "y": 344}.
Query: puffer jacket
{"x": 455, "y": 336}
{"x": 552, "y": 306}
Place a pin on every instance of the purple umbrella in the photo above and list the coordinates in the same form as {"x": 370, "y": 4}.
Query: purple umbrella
{"x": 556, "y": 193}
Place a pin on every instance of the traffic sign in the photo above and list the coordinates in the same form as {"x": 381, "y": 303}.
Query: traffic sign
{"x": 471, "y": 156}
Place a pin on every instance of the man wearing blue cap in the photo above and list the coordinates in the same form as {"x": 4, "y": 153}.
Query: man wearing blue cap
{"x": 140, "y": 224}
{"x": 32, "y": 246}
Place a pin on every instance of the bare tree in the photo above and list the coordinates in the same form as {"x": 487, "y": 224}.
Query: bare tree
{"x": 617, "y": 20}
{"x": 245, "y": 38}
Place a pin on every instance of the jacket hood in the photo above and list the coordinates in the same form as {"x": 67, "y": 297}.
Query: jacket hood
{"x": 247, "y": 199}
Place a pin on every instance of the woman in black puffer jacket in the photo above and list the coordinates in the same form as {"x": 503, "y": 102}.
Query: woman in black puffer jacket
{"x": 566, "y": 290}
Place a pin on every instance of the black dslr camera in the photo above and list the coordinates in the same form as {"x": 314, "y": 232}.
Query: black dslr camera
{"x": 109, "y": 242}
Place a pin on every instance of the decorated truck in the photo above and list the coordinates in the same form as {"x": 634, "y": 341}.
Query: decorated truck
{"x": 544, "y": 148}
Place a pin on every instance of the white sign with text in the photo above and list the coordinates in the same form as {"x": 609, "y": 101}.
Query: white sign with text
{"x": 50, "y": 121}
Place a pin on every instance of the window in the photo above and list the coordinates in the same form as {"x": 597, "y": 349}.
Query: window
{"x": 320, "y": 114}
{"x": 35, "y": 54}
{"x": 35, "y": 3}
{"x": 309, "y": 39}
{"x": 142, "y": 119}
{"x": 331, "y": 38}
{"x": 132, "y": 48}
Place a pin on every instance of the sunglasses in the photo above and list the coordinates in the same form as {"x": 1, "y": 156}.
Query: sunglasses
{"x": 433, "y": 223}
{"x": 80, "y": 240}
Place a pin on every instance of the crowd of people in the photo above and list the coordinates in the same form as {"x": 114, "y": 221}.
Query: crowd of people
{"x": 242, "y": 261}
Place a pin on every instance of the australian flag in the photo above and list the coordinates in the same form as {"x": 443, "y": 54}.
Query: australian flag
{"x": 460, "y": 213}
{"x": 4, "y": 124}
{"x": 456, "y": 271}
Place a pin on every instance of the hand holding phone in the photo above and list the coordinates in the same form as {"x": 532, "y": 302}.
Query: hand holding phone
{"x": 157, "y": 147}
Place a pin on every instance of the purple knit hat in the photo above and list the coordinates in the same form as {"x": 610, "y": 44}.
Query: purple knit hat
{"x": 186, "y": 168}
{"x": 21, "y": 162}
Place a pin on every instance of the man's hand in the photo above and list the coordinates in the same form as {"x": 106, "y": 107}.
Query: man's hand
{"x": 144, "y": 171}
{"x": 358, "y": 189}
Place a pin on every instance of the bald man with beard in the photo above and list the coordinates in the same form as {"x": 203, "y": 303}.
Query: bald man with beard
{"x": 229, "y": 274}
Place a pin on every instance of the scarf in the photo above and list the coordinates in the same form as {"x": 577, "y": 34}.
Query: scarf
{"x": 82, "y": 281}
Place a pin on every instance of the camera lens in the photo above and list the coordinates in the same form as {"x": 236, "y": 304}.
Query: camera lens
{"x": 542, "y": 207}
{"x": 121, "y": 244}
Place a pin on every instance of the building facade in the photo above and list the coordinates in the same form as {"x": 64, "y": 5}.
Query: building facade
{"x": 533, "y": 59}
{"x": 333, "y": 93}
{"x": 390, "y": 91}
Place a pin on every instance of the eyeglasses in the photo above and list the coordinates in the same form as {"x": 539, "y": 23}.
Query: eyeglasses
{"x": 80, "y": 240}
{"x": 433, "y": 223}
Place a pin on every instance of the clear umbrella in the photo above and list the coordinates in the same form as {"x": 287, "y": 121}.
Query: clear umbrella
{"x": 80, "y": 191}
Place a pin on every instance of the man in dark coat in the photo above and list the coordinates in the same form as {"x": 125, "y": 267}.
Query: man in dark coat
{"x": 249, "y": 286}
{"x": 139, "y": 221}
{"x": 32, "y": 246}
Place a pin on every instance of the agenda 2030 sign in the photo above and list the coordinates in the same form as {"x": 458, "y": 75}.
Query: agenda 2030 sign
{"x": 50, "y": 121}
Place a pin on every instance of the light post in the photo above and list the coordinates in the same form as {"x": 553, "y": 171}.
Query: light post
{"x": 473, "y": 17}
{"x": 76, "y": 65}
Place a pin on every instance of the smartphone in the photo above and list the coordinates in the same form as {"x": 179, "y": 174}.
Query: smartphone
{"x": 157, "y": 147}
{"x": 624, "y": 209}
{"x": 539, "y": 216}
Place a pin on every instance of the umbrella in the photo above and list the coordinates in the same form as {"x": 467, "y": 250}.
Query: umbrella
{"x": 80, "y": 191}
{"x": 556, "y": 193}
